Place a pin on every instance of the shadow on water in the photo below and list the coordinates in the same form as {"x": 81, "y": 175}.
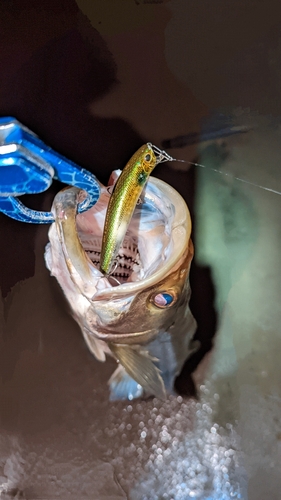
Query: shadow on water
{"x": 202, "y": 287}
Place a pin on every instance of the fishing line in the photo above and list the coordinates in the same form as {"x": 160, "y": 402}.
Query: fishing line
{"x": 228, "y": 174}
{"x": 163, "y": 156}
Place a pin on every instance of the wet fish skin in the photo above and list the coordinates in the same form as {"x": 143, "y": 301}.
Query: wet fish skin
{"x": 125, "y": 195}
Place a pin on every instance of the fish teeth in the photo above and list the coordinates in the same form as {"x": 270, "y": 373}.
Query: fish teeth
{"x": 128, "y": 258}
{"x": 125, "y": 265}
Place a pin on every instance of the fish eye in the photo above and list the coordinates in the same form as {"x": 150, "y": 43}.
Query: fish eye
{"x": 163, "y": 299}
{"x": 147, "y": 157}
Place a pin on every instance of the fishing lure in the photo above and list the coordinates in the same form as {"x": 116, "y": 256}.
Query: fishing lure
{"x": 124, "y": 198}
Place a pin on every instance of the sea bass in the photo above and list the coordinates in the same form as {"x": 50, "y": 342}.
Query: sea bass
{"x": 144, "y": 322}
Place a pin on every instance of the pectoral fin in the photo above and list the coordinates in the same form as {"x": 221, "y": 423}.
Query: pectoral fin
{"x": 139, "y": 365}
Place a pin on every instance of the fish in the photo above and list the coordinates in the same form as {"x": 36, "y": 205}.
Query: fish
{"x": 142, "y": 319}
{"x": 124, "y": 198}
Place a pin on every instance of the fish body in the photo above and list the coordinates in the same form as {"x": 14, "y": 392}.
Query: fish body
{"x": 123, "y": 200}
{"x": 145, "y": 322}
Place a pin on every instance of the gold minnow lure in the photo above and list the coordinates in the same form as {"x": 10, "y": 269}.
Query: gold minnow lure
{"x": 124, "y": 198}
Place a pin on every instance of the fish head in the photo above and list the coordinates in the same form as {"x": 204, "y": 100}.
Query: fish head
{"x": 138, "y": 311}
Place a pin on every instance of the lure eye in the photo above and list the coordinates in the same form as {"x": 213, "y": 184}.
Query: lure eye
{"x": 163, "y": 299}
{"x": 147, "y": 157}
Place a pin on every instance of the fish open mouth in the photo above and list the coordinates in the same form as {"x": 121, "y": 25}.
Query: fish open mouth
{"x": 126, "y": 262}
{"x": 156, "y": 240}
